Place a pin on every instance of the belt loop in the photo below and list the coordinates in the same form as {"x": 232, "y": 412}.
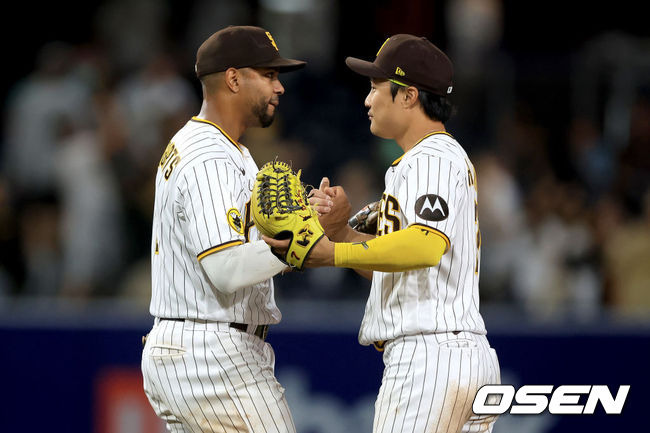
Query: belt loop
{"x": 379, "y": 345}
{"x": 263, "y": 332}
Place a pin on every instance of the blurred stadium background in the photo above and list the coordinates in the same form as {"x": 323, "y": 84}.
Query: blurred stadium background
{"x": 553, "y": 106}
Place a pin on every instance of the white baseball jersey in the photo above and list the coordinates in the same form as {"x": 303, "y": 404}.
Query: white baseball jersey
{"x": 202, "y": 206}
{"x": 200, "y": 373}
{"x": 436, "y": 353}
{"x": 432, "y": 186}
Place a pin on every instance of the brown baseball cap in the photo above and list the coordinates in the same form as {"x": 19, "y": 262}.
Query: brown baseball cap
{"x": 241, "y": 47}
{"x": 409, "y": 60}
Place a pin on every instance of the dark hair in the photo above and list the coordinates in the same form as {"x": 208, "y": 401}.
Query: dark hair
{"x": 434, "y": 106}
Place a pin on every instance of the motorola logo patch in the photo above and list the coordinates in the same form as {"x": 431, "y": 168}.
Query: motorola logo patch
{"x": 431, "y": 207}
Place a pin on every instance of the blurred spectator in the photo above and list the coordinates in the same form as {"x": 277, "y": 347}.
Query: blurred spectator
{"x": 207, "y": 16}
{"x": 595, "y": 162}
{"x": 303, "y": 29}
{"x": 53, "y": 91}
{"x": 523, "y": 146}
{"x": 132, "y": 31}
{"x": 608, "y": 73}
{"x": 135, "y": 284}
{"x": 484, "y": 78}
{"x": 626, "y": 247}
{"x": 11, "y": 264}
{"x": 555, "y": 274}
{"x": 584, "y": 284}
{"x": 475, "y": 28}
{"x": 41, "y": 245}
{"x": 267, "y": 144}
{"x": 359, "y": 182}
{"x": 91, "y": 226}
{"x": 502, "y": 222}
{"x": 634, "y": 163}
{"x": 155, "y": 101}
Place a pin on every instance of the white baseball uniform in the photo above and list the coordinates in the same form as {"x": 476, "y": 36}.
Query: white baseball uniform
{"x": 436, "y": 354}
{"x": 201, "y": 374}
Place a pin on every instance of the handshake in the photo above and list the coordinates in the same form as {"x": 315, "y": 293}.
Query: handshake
{"x": 300, "y": 227}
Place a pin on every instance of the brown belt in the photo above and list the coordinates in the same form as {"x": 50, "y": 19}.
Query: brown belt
{"x": 260, "y": 331}
{"x": 379, "y": 345}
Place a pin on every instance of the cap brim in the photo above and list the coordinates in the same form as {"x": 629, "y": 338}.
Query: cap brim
{"x": 282, "y": 64}
{"x": 365, "y": 68}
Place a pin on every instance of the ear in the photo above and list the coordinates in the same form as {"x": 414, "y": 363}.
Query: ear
{"x": 232, "y": 77}
{"x": 409, "y": 97}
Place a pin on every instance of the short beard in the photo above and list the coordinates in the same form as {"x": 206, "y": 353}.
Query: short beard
{"x": 260, "y": 113}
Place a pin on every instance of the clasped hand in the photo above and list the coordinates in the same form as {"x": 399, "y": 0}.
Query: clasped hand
{"x": 333, "y": 209}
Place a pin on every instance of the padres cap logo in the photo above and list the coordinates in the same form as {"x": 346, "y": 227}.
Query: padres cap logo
{"x": 268, "y": 34}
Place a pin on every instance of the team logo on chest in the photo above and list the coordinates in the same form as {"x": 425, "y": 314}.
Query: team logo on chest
{"x": 431, "y": 207}
{"x": 235, "y": 221}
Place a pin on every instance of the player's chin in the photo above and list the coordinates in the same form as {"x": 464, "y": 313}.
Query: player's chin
{"x": 376, "y": 130}
{"x": 266, "y": 119}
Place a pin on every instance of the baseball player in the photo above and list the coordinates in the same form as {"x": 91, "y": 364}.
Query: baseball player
{"x": 205, "y": 363}
{"x": 424, "y": 261}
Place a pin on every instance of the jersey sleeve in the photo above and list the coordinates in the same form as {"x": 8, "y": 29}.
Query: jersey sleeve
{"x": 429, "y": 194}
{"x": 212, "y": 207}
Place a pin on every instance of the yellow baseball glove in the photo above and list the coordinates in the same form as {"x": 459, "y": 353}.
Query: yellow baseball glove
{"x": 280, "y": 210}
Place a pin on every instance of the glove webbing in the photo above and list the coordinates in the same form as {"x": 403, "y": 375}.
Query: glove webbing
{"x": 275, "y": 193}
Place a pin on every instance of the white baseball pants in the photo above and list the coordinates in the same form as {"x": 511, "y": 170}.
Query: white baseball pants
{"x": 430, "y": 381}
{"x": 208, "y": 377}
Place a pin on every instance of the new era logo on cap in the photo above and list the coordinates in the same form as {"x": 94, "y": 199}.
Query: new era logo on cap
{"x": 399, "y": 71}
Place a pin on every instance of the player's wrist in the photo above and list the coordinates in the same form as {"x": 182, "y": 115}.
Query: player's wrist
{"x": 342, "y": 234}
{"x": 322, "y": 254}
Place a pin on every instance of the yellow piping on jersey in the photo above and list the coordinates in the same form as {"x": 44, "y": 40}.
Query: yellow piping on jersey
{"x": 237, "y": 145}
{"x": 418, "y": 142}
{"x": 219, "y": 248}
{"x": 436, "y": 231}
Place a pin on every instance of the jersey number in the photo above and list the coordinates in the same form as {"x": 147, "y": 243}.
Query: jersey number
{"x": 169, "y": 160}
{"x": 388, "y": 220}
